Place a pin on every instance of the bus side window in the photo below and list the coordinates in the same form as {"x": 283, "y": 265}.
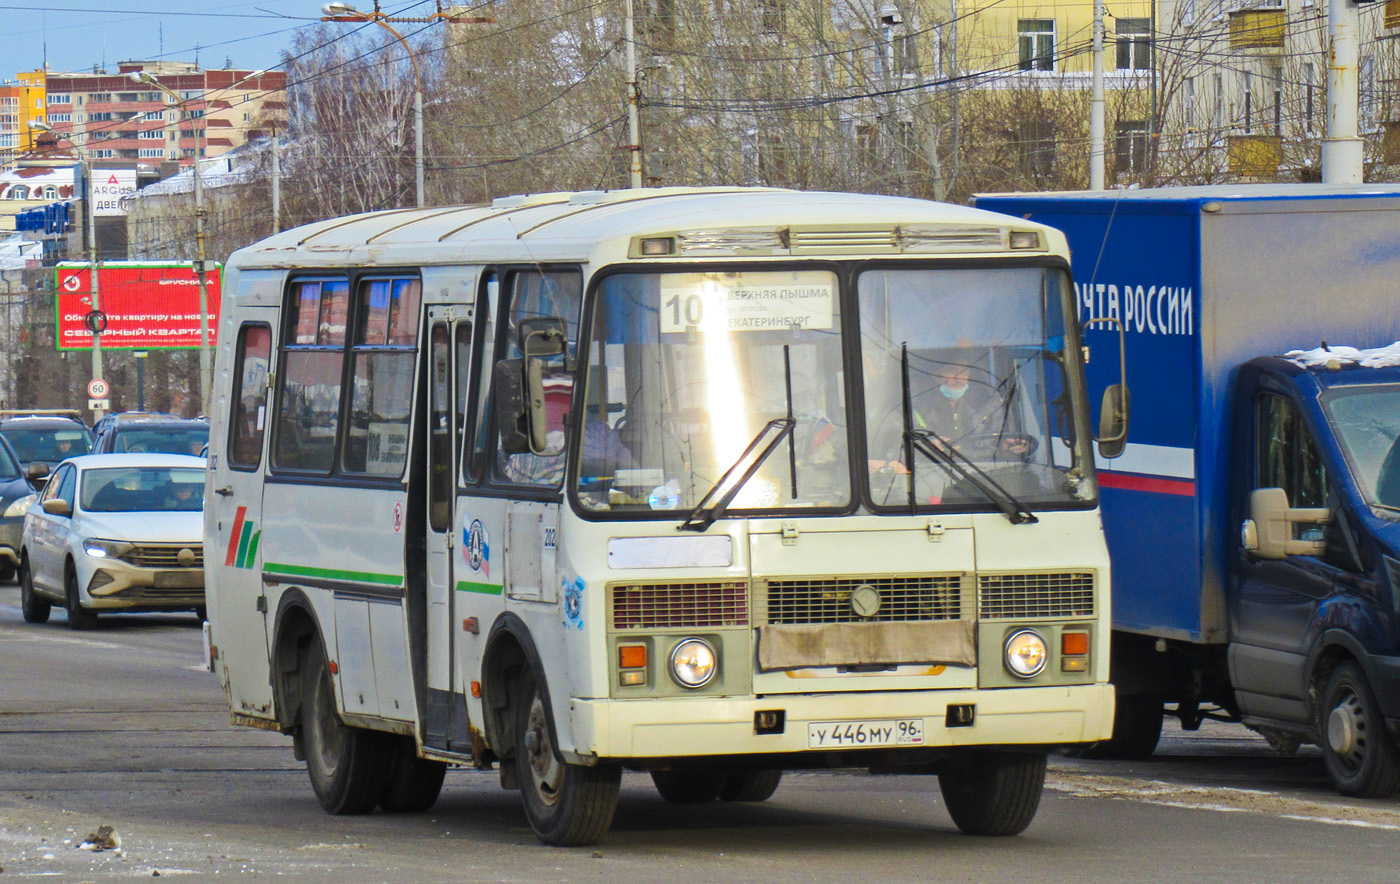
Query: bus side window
{"x": 308, "y": 407}
{"x": 386, "y": 331}
{"x": 249, "y": 417}
{"x": 537, "y": 294}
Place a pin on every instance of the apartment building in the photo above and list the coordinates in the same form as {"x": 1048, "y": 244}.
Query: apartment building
{"x": 191, "y": 113}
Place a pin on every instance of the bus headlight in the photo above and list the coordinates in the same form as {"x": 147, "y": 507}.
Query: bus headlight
{"x": 693, "y": 663}
{"x": 1025, "y": 653}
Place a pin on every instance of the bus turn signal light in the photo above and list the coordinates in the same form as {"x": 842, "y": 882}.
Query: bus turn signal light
{"x": 1074, "y": 644}
{"x": 632, "y": 657}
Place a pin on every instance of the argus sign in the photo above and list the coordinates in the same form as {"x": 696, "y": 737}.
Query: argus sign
{"x": 147, "y": 306}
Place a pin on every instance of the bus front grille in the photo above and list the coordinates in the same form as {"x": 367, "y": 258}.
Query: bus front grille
{"x": 1018, "y": 596}
{"x": 663, "y": 605}
{"x": 895, "y": 599}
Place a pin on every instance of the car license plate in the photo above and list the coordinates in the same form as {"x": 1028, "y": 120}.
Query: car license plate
{"x": 180, "y": 579}
{"x": 863, "y": 734}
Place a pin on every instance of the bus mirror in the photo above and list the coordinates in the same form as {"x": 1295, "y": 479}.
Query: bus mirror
{"x": 542, "y": 336}
{"x": 520, "y": 412}
{"x": 1113, "y": 421}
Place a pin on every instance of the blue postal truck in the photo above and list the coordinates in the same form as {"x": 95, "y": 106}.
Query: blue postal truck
{"x": 1253, "y": 517}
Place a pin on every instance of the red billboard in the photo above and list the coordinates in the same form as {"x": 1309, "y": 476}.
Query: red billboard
{"x": 146, "y": 305}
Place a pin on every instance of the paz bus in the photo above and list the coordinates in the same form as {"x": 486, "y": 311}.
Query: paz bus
{"x": 659, "y": 480}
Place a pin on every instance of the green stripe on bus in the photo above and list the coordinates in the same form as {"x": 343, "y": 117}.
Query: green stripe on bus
{"x": 247, "y": 533}
{"x": 253, "y": 549}
{"x": 334, "y": 574}
{"x": 484, "y": 588}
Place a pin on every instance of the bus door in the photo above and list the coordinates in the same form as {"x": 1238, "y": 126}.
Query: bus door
{"x": 449, "y": 366}
{"x": 234, "y": 514}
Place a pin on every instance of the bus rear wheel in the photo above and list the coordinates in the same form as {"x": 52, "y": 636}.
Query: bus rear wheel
{"x": 568, "y": 805}
{"x": 692, "y": 786}
{"x": 414, "y": 783}
{"x": 750, "y": 785}
{"x": 993, "y": 793}
{"x": 348, "y": 766}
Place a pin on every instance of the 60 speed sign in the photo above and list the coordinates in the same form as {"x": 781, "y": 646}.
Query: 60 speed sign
{"x": 97, "y": 389}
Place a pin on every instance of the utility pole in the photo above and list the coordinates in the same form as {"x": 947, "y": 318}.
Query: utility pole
{"x": 1343, "y": 152}
{"x": 1096, "y": 123}
{"x": 276, "y": 182}
{"x": 634, "y": 123}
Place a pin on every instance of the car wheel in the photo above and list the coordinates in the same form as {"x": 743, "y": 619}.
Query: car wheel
{"x": 7, "y": 573}
{"x": 568, "y": 805}
{"x": 78, "y": 616}
{"x": 993, "y": 793}
{"x": 348, "y": 766}
{"x": 35, "y": 609}
{"x": 1361, "y": 758}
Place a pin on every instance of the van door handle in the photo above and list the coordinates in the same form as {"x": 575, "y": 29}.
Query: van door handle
{"x": 226, "y": 491}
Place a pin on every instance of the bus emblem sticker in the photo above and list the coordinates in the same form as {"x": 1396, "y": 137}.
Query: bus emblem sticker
{"x": 573, "y": 603}
{"x": 476, "y": 548}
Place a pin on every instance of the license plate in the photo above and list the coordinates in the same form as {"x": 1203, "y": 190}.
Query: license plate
{"x": 179, "y": 579}
{"x": 864, "y": 734}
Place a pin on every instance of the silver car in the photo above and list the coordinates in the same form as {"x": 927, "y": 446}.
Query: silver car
{"x": 115, "y": 532}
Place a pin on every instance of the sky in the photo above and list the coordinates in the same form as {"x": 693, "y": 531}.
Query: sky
{"x": 74, "y": 35}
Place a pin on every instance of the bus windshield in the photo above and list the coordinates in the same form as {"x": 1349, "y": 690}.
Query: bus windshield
{"x": 970, "y": 363}
{"x": 685, "y": 372}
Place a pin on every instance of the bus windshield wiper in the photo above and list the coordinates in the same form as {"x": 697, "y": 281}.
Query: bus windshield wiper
{"x": 702, "y": 518}
{"x": 953, "y": 461}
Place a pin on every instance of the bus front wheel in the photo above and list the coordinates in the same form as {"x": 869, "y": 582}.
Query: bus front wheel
{"x": 568, "y": 805}
{"x": 993, "y": 793}
{"x": 348, "y": 766}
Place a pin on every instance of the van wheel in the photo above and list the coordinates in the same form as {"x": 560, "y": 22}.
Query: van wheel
{"x": 690, "y": 786}
{"x": 414, "y": 783}
{"x": 1137, "y": 728}
{"x": 568, "y": 805}
{"x": 1360, "y": 757}
{"x": 78, "y": 616}
{"x": 993, "y": 793}
{"x": 750, "y": 785}
{"x": 35, "y": 609}
{"x": 347, "y": 765}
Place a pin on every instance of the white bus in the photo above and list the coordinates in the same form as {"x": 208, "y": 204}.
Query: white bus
{"x": 677, "y": 481}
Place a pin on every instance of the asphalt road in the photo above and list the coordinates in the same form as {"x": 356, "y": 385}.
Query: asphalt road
{"x": 123, "y": 727}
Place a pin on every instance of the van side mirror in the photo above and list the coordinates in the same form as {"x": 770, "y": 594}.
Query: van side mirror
{"x": 519, "y": 397}
{"x": 1113, "y": 421}
{"x": 57, "y": 506}
{"x": 1268, "y": 532}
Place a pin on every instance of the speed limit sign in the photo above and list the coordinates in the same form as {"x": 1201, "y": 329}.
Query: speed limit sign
{"x": 97, "y": 389}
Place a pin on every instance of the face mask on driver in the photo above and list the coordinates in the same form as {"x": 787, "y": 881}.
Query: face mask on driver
{"x": 952, "y": 393}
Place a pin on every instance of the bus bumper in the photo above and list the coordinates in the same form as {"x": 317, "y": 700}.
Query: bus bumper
{"x": 671, "y": 728}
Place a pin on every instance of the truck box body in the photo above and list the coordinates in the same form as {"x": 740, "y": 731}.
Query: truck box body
{"x": 1203, "y": 279}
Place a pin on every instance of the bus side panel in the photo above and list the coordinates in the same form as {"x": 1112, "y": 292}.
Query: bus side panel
{"x": 479, "y": 575}
{"x": 347, "y": 543}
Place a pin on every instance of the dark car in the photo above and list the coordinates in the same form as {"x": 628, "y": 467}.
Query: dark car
{"x": 16, "y": 495}
{"x": 137, "y": 432}
{"x": 46, "y": 438}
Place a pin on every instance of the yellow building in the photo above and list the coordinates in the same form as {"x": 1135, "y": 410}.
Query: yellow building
{"x": 21, "y": 104}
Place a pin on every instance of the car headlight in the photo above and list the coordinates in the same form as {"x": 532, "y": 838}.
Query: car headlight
{"x": 693, "y": 663}
{"x": 106, "y": 549}
{"x": 20, "y": 505}
{"x": 1026, "y": 654}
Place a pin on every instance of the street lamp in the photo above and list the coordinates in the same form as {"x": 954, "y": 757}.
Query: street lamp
{"x": 344, "y": 12}
{"x": 199, "y": 262}
{"x": 95, "y": 319}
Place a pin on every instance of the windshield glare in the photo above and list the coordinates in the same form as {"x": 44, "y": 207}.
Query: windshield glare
{"x": 984, "y": 350}
{"x": 1364, "y": 421}
{"x": 142, "y": 489}
{"x": 686, "y": 369}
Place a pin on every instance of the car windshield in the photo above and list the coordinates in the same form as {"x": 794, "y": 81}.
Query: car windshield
{"x": 49, "y": 444}
{"x": 971, "y": 362}
{"x": 142, "y": 489}
{"x": 175, "y": 439}
{"x": 1364, "y": 419}
{"x": 686, "y": 370}
{"x": 9, "y": 467}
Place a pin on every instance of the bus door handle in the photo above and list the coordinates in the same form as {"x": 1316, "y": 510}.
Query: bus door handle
{"x": 226, "y": 491}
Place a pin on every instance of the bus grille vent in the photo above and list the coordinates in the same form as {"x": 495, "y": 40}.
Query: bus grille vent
{"x": 1017, "y": 596}
{"x": 900, "y": 599}
{"x": 659, "y": 606}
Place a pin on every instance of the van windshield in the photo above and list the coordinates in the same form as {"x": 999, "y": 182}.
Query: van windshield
{"x": 684, "y": 372}
{"x": 1363, "y": 418}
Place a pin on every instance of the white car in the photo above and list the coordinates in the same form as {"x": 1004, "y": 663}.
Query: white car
{"x": 115, "y": 532}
